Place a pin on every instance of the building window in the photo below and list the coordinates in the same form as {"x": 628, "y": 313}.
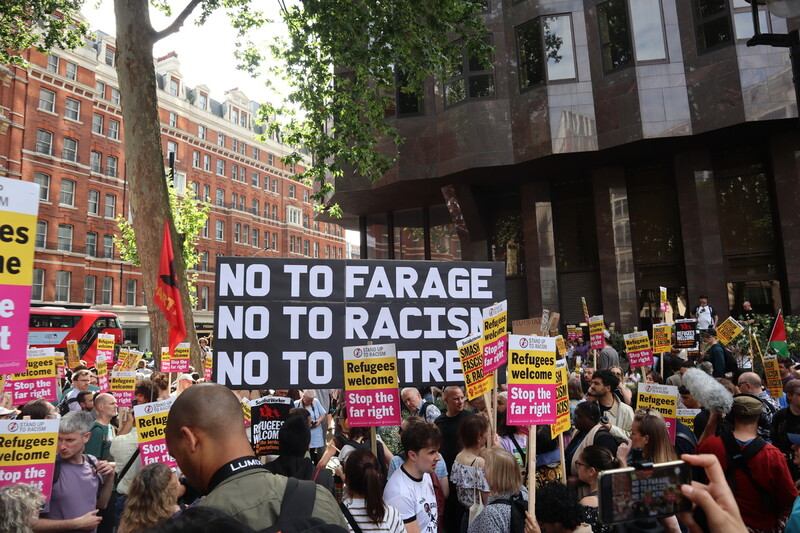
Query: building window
{"x": 242, "y": 202}
{"x": 72, "y": 71}
{"x": 712, "y": 23}
{"x": 130, "y": 292}
{"x": 202, "y": 132}
{"x": 274, "y": 185}
{"x": 173, "y": 120}
{"x": 174, "y": 86}
{"x": 97, "y": 124}
{"x": 648, "y": 29}
{"x": 408, "y": 103}
{"x": 41, "y": 234}
{"x": 172, "y": 148}
{"x": 91, "y": 244}
{"x": 271, "y": 160}
{"x": 37, "y": 289}
{"x": 67, "y": 193}
{"x": 256, "y": 152}
{"x": 93, "y": 205}
{"x": 221, "y": 139}
{"x": 205, "y": 228}
{"x": 255, "y": 179}
{"x": 113, "y": 129}
{"x": 111, "y": 56}
{"x": 220, "y": 199}
{"x": 73, "y": 109}
{"x": 108, "y": 290}
{"x": 291, "y": 244}
{"x": 305, "y": 247}
{"x": 62, "y": 285}
{"x": 235, "y": 145}
{"x": 108, "y": 247}
{"x": 44, "y": 142}
{"x": 246, "y": 234}
{"x": 207, "y": 162}
{"x": 254, "y": 207}
{"x": 43, "y": 180}
{"x": 70, "y": 150}
{"x": 196, "y": 189}
{"x": 220, "y": 230}
{"x": 206, "y": 193}
{"x": 196, "y": 159}
{"x": 89, "y": 286}
{"x": 243, "y": 148}
{"x": 266, "y": 211}
{"x": 275, "y": 212}
{"x": 615, "y": 35}
{"x": 64, "y": 238}
{"x": 202, "y": 102}
{"x": 47, "y": 100}
{"x": 293, "y": 215}
{"x": 234, "y": 199}
{"x": 111, "y": 206}
{"x": 116, "y": 98}
{"x": 101, "y": 89}
{"x": 545, "y": 49}
{"x": 274, "y": 241}
{"x": 316, "y": 249}
{"x": 254, "y": 240}
{"x": 204, "y": 261}
{"x": 52, "y": 63}
{"x": 202, "y": 302}
{"x": 305, "y": 220}
{"x": 292, "y": 191}
{"x": 111, "y": 166}
{"x": 468, "y": 78}
{"x": 305, "y": 195}
{"x": 220, "y": 167}
{"x": 96, "y": 161}
{"x": 234, "y": 173}
{"x": 243, "y": 120}
{"x": 743, "y": 20}
{"x": 327, "y": 251}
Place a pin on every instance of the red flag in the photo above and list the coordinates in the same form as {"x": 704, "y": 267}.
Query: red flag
{"x": 167, "y": 296}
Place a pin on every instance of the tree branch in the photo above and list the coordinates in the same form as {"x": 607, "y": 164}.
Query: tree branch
{"x": 177, "y": 23}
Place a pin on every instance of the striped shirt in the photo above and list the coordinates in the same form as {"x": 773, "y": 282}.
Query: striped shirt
{"x": 392, "y": 523}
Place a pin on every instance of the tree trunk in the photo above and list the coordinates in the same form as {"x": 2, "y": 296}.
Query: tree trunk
{"x": 145, "y": 165}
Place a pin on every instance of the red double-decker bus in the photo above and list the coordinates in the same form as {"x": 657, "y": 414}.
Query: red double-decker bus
{"x": 54, "y": 326}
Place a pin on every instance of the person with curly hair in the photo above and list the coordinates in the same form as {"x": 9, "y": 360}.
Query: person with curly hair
{"x": 19, "y": 507}
{"x": 152, "y": 498}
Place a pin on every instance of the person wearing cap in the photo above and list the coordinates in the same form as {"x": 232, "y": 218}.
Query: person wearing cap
{"x": 787, "y": 421}
{"x": 715, "y": 353}
{"x": 184, "y": 381}
{"x": 762, "y": 485}
{"x": 750, "y": 383}
{"x": 608, "y": 355}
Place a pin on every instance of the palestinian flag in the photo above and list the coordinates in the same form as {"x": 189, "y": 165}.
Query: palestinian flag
{"x": 777, "y": 339}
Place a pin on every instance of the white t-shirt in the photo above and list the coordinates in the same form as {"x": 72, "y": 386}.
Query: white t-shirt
{"x": 704, "y": 318}
{"x": 413, "y": 498}
{"x": 392, "y": 523}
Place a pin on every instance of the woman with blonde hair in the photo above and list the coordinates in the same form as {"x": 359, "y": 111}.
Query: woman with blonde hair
{"x": 152, "y": 499}
{"x": 19, "y": 507}
{"x": 505, "y": 484}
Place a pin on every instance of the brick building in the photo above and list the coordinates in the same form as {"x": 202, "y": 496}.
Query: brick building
{"x": 61, "y": 126}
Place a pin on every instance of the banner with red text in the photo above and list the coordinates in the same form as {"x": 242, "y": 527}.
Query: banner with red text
{"x": 371, "y": 387}
{"x": 531, "y": 380}
{"x": 28, "y": 453}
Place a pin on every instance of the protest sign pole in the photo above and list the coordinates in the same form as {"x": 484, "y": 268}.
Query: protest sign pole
{"x": 493, "y": 421}
{"x": 373, "y": 437}
{"x": 532, "y": 470}
{"x": 563, "y": 458}
{"x": 487, "y": 401}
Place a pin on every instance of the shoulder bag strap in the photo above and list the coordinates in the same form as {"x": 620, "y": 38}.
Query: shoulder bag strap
{"x": 129, "y": 464}
{"x": 350, "y": 518}
{"x": 298, "y": 499}
{"x": 521, "y": 453}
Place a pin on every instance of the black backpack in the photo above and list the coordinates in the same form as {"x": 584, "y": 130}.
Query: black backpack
{"x": 63, "y": 407}
{"x": 296, "y": 508}
{"x": 367, "y": 445}
{"x": 731, "y": 366}
{"x": 518, "y": 508}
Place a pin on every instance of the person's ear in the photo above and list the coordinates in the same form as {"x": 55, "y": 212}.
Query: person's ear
{"x": 413, "y": 455}
{"x": 191, "y": 438}
{"x": 87, "y": 436}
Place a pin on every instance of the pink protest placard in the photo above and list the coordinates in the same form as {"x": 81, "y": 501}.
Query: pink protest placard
{"x": 180, "y": 362}
{"x": 102, "y": 372}
{"x": 371, "y": 386}
{"x": 28, "y": 453}
{"x": 495, "y": 336}
{"x": 105, "y": 346}
{"x": 123, "y": 385}
{"x": 166, "y": 360}
{"x": 39, "y": 380}
{"x": 151, "y": 423}
{"x": 637, "y": 345}
{"x": 531, "y": 380}
{"x": 597, "y": 339}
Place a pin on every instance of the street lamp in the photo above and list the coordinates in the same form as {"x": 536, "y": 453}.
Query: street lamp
{"x": 791, "y": 40}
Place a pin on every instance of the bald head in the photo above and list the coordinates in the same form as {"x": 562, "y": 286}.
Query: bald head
{"x": 749, "y": 382}
{"x": 208, "y": 407}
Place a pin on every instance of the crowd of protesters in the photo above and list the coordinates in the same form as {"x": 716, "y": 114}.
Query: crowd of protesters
{"x": 451, "y": 473}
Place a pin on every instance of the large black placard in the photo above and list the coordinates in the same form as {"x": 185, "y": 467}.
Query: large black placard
{"x": 283, "y": 322}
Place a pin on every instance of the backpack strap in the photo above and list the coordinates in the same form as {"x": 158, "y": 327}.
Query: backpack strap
{"x": 316, "y": 474}
{"x": 737, "y": 458}
{"x": 350, "y": 518}
{"x": 298, "y": 499}
{"x": 500, "y": 501}
{"x": 423, "y": 410}
{"x": 521, "y": 452}
{"x": 128, "y": 464}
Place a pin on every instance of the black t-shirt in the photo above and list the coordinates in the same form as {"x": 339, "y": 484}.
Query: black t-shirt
{"x": 448, "y": 426}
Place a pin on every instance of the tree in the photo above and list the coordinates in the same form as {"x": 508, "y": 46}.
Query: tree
{"x": 369, "y": 42}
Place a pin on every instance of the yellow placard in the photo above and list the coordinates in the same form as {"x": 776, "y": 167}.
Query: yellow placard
{"x": 563, "y": 422}
{"x": 166, "y": 359}
{"x": 637, "y": 343}
{"x": 662, "y": 338}
{"x": 73, "y": 354}
{"x": 773, "y": 375}
{"x": 151, "y": 427}
{"x": 471, "y": 356}
{"x": 39, "y": 367}
{"x": 728, "y": 330}
{"x": 128, "y": 360}
{"x": 246, "y": 411}
{"x": 665, "y": 404}
{"x": 686, "y": 417}
{"x": 105, "y": 343}
{"x": 369, "y": 374}
{"x": 561, "y": 346}
{"x": 122, "y": 383}
{"x": 17, "y": 248}
{"x": 28, "y": 449}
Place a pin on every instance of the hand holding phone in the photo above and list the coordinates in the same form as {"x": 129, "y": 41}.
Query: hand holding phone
{"x": 715, "y": 499}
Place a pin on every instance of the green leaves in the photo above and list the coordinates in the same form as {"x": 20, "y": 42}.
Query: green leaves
{"x": 45, "y": 24}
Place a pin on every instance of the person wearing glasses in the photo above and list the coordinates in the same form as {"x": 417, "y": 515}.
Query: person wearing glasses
{"x": 81, "y": 380}
{"x": 592, "y": 461}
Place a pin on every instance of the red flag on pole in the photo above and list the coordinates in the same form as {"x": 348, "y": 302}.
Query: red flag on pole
{"x": 167, "y": 296}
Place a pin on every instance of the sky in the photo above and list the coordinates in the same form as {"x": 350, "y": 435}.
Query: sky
{"x": 205, "y": 52}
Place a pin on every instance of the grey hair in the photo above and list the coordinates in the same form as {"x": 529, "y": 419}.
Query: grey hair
{"x": 19, "y": 504}
{"x": 406, "y": 389}
{"x": 76, "y": 422}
